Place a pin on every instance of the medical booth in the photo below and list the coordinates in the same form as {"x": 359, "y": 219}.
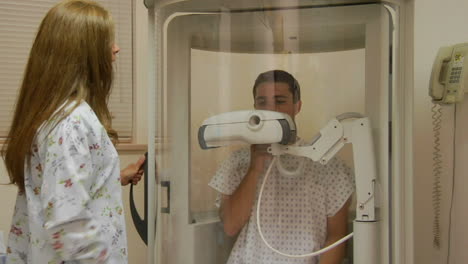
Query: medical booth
{"x": 204, "y": 58}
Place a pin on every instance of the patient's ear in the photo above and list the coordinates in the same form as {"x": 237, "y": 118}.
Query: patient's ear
{"x": 297, "y": 107}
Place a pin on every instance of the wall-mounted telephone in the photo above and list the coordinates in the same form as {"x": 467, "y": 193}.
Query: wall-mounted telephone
{"x": 448, "y": 85}
{"x": 449, "y": 78}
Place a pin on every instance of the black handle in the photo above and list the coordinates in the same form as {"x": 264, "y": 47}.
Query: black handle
{"x": 141, "y": 225}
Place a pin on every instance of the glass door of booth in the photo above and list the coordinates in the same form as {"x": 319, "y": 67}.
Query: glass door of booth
{"x": 209, "y": 56}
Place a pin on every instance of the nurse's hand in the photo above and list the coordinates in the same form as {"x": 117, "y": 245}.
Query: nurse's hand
{"x": 132, "y": 173}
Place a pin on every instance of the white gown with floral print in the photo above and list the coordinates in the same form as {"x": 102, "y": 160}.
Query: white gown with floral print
{"x": 71, "y": 211}
{"x": 294, "y": 210}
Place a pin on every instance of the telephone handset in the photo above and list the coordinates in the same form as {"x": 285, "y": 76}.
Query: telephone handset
{"x": 449, "y": 78}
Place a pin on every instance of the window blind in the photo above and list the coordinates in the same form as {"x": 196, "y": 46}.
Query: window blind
{"x": 19, "y": 21}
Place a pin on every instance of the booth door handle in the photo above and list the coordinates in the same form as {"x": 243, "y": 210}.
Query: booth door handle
{"x": 166, "y": 197}
{"x": 141, "y": 225}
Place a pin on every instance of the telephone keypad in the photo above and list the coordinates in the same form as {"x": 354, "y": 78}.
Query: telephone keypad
{"x": 455, "y": 75}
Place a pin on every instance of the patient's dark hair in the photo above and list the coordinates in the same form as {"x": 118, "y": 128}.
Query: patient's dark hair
{"x": 279, "y": 76}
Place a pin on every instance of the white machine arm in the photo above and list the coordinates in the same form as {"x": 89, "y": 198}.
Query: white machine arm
{"x": 278, "y": 129}
{"x": 350, "y": 128}
{"x": 332, "y": 138}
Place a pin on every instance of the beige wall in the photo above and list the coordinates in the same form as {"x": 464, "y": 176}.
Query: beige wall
{"x": 136, "y": 248}
{"x": 438, "y": 23}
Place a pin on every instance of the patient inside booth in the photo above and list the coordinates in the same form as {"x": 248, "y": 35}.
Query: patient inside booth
{"x": 305, "y": 210}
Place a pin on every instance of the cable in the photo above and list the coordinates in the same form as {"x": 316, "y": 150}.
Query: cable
{"x": 453, "y": 183}
{"x": 313, "y": 254}
{"x": 436, "y": 172}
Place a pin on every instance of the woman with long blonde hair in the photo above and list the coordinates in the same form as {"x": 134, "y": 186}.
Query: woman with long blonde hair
{"x": 60, "y": 148}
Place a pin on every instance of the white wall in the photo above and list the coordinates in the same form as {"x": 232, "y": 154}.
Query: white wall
{"x": 438, "y": 23}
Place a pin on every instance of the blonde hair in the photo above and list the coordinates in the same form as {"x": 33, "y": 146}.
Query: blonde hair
{"x": 70, "y": 61}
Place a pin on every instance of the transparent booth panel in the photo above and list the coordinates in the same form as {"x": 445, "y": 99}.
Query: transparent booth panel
{"x": 222, "y": 82}
{"x": 211, "y": 55}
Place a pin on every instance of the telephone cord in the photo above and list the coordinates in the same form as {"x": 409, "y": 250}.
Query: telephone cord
{"x": 436, "y": 172}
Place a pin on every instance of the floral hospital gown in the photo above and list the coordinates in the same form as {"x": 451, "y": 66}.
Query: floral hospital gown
{"x": 294, "y": 208}
{"x": 71, "y": 210}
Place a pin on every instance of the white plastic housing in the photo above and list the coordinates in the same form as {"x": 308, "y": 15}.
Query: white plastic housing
{"x": 251, "y": 127}
{"x": 366, "y": 242}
